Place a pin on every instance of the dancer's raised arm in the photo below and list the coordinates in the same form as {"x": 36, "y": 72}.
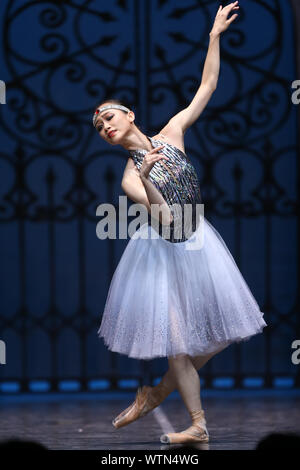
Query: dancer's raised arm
{"x": 185, "y": 118}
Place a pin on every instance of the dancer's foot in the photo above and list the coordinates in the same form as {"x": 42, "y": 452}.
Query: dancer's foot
{"x": 147, "y": 398}
{"x": 195, "y": 433}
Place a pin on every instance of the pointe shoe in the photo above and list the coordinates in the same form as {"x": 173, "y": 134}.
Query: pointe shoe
{"x": 195, "y": 433}
{"x": 142, "y": 405}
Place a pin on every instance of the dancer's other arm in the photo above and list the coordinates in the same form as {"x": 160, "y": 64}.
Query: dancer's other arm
{"x": 139, "y": 188}
{"x": 185, "y": 118}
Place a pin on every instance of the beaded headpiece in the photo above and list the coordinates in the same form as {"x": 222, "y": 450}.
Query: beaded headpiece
{"x": 109, "y": 106}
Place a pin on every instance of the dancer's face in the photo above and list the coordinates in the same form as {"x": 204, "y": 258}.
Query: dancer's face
{"x": 113, "y": 124}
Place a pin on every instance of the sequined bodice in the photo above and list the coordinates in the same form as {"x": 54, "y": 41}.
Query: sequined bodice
{"x": 176, "y": 179}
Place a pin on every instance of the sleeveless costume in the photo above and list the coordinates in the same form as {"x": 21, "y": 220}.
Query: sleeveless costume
{"x": 182, "y": 293}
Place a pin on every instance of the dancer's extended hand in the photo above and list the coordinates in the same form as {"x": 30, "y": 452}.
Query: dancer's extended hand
{"x": 221, "y": 22}
{"x": 149, "y": 159}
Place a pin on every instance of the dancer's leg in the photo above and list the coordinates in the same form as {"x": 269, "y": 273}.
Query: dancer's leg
{"x": 188, "y": 384}
{"x": 187, "y": 381}
{"x": 168, "y": 382}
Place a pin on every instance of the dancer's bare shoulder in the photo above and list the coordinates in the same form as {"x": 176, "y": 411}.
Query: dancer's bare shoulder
{"x": 172, "y": 135}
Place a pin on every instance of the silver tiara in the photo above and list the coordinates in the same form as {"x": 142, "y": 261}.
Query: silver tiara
{"x": 109, "y": 106}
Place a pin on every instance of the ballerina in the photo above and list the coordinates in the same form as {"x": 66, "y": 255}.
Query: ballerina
{"x": 165, "y": 298}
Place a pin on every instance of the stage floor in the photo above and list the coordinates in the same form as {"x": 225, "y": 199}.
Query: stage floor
{"x": 236, "y": 419}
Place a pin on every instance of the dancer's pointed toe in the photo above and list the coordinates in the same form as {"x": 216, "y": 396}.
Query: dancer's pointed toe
{"x": 122, "y": 418}
{"x": 140, "y": 407}
{"x": 164, "y": 438}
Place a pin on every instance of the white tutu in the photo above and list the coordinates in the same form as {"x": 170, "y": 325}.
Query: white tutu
{"x": 167, "y": 299}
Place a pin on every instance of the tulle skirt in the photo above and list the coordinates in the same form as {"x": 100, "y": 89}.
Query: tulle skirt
{"x": 167, "y": 299}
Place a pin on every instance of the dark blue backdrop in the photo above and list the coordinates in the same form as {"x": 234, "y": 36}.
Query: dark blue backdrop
{"x": 59, "y": 59}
